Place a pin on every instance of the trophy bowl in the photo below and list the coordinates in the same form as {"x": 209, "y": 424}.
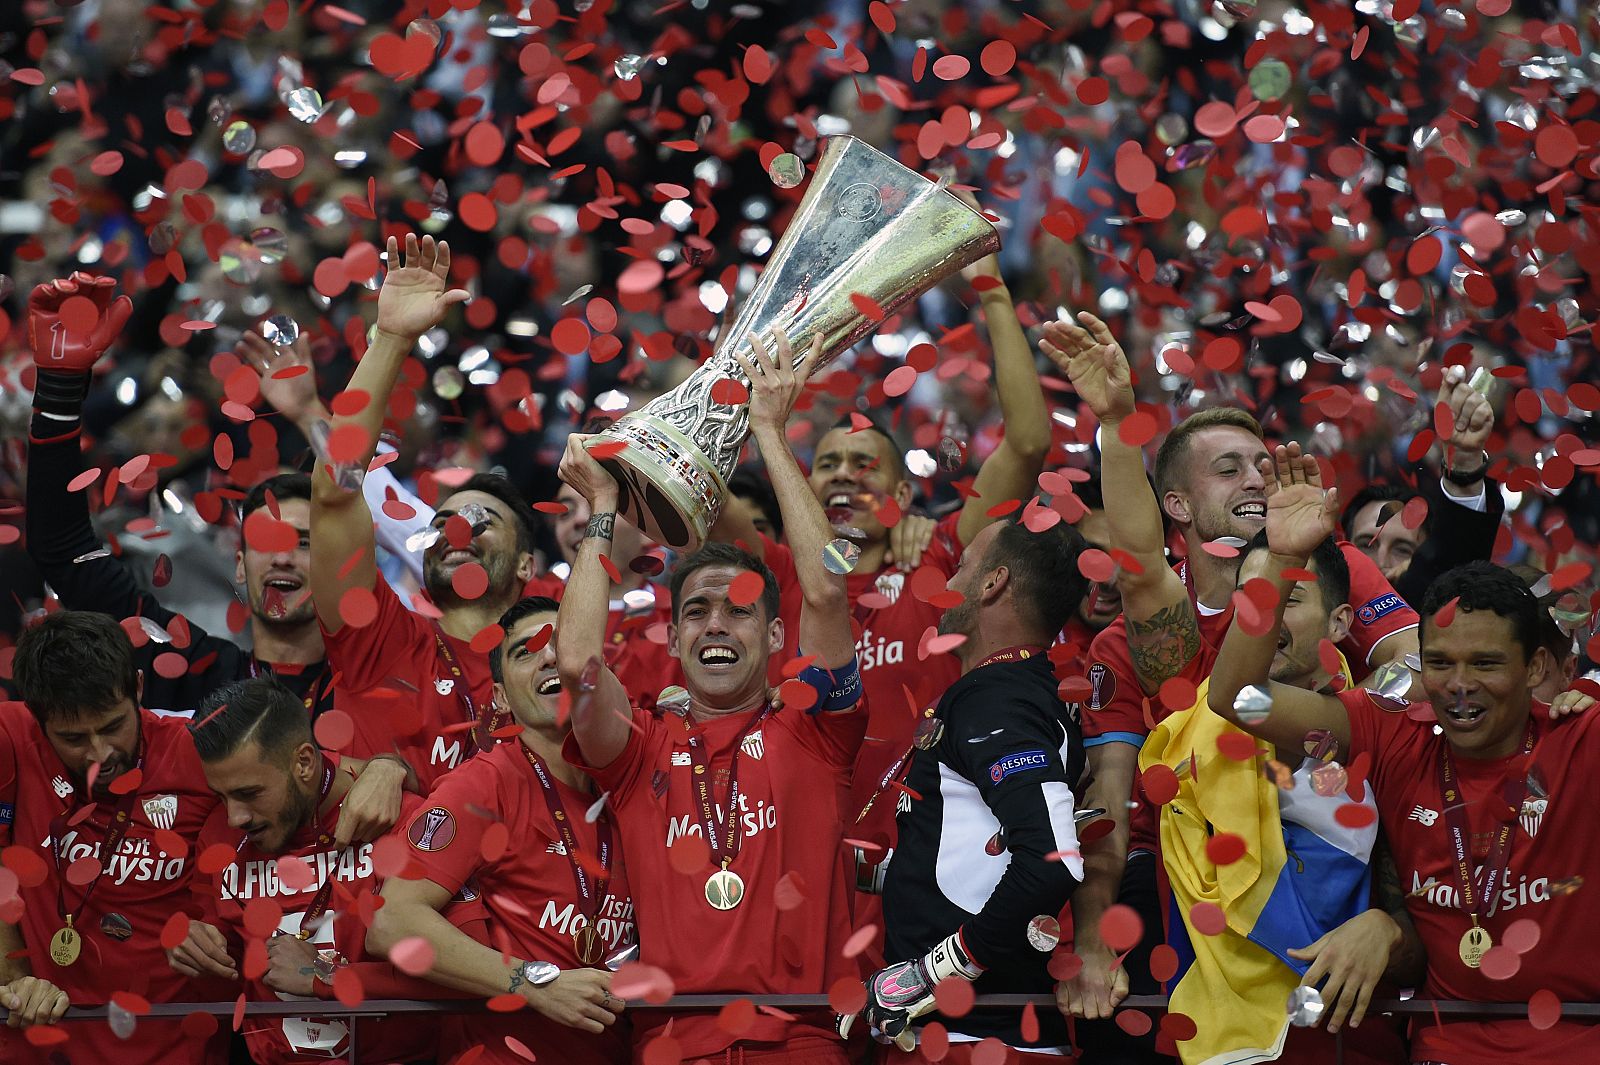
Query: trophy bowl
{"x": 866, "y": 226}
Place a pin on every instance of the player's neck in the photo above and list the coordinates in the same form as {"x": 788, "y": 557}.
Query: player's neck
{"x": 297, "y": 645}
{"x": 701, "y": 709}
{"x": 464, "y": 620}
{"x": 993, "y": 637}
{"x": 340, "y": 787}
{"x": 1214, "y": 578}
{"x": 873, "y": 553}
{"x": 547, "y": 746}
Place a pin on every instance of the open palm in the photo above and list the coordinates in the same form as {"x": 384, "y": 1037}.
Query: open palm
{"x": 1095, "y": 363}
{"x": 415, "y": 297}
{"x": 1300, "y": 515}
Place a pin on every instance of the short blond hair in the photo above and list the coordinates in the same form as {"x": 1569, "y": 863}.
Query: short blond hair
{"x": 1175, "y": 448}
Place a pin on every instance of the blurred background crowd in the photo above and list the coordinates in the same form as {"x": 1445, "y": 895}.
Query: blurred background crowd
{"x": 1307, "y": 209}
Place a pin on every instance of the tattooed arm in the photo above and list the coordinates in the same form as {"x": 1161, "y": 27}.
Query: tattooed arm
{"x": 1162, "y": 644}
{"x": 1163, "y": 633}
{"x": 1408, "y": 962}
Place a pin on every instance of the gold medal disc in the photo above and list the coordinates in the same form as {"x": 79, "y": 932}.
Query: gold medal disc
{"x": 724, "y": 890}
{"x": 1474, "y": 945}
{"x": 65, "y": 946}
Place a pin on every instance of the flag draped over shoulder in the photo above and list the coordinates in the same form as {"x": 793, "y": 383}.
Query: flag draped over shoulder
{"x": 1301, "y": 874}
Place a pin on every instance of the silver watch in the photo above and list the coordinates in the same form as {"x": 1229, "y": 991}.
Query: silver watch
{"x": 540, "y": 973}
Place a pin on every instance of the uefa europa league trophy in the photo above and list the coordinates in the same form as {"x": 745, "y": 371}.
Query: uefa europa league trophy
{"x": 866, "y": 225}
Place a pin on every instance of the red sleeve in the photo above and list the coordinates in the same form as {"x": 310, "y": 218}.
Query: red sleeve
{"x": 1380, "y": 612}
{"x": 445, "y": 833}
{"x": 836, "y": 737}
{"x": 10, "y": 739}
{"x": 1114, "y": 712}
{"x": 202, "y": 888}
{"x": 394, "y": 641}
{"x": 627, "y": 769}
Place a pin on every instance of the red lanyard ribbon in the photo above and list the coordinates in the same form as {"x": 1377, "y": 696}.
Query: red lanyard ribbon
{"x": 1496, "y": 862}
{"x": 481, "y": 736}
{"x": 319, "y": 902}
{"x": 315, "y": 691}
{"x": 116, "y": 832}
{"x": 591, "y": 889}
{"x": 722, "y": 835}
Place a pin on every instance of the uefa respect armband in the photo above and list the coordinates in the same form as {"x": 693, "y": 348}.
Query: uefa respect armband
{"x": 837, "y": 689}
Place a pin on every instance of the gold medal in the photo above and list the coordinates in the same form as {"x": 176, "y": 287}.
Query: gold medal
{"x": 724, "y": 890}
{"x": 588, "y": 944}
{"x": 65, "y": 946}
{"x": 1474, "y": 945}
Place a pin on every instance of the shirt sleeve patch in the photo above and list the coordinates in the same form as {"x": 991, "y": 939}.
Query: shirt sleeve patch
{"x": 8, "y": 813}
{"x": 432, "y": 830}
{"x": 1385, "y": 604}
{"x": 1018, "y": 762}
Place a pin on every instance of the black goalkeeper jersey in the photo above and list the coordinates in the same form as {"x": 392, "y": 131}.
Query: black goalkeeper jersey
{"x": 988, "y": 842}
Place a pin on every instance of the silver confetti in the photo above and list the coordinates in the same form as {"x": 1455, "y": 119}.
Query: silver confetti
{"x": 1305, "y": 1006}
{"x": 1252, "y": 704}
{"x": 1044, "y": 932}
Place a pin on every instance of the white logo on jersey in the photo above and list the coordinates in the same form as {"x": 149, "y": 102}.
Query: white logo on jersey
{"x": 889, "y": 585}
{"x": 1532, "y": 815}
{"x": 442, "y": 755}
{"x": 444, "y": 686}
{"x": 682, "y": 758}
{"x": 753, "y": 745}
{"x": 61, "y": 787}
{"x": 555, "y": 847}
{"x": 1424, "y": 816}
{"x": 161, "y": 810}
{"x": 872, "y": 652}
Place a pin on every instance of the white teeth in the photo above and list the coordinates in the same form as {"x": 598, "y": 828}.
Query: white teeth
{"x": 717, "y": 654}
{"x": 839, "y": 499}
{"x": 549, "y": 686}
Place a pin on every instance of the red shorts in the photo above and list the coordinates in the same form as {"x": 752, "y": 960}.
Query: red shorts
{"x": 803, "y": 1051}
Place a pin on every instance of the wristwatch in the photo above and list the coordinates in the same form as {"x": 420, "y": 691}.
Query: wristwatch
{"x": 540, "y": 973}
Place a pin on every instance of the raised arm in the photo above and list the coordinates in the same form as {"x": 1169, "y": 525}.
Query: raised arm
{"x": 413, "y": 300}
{"x": 1163, "y": 631}
{"x": 1012, "y": 468}
{"x": 1300, "y": 515}
{"x": 775, "y": 386}
{"x": 602, "y": 716}
{"x": 289, "y": 383}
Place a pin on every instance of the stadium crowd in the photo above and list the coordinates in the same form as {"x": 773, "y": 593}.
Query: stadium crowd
{"x": 1195, "y": 598}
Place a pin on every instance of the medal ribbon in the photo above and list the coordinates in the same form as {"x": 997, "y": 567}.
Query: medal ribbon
{"x": 319, "y": 902}
{"x": 591, "y": 890}
{"x": 480, "y": 736}
{"x": 1496, "y": 862}
{"x": 116, "y": 831}
{"x": 723, "y": 835}
{"x": 315, "y": 693}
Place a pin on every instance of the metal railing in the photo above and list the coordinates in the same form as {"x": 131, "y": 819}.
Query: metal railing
{"x": 388, "y": 1007}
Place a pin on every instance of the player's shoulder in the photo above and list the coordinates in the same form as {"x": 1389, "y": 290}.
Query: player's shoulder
{"x": 1005, "y": 694}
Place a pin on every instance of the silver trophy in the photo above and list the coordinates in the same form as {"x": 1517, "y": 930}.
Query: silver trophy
{"x": 866, "y": 225}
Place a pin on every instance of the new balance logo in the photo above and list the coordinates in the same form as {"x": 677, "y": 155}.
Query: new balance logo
{"x": 681, "y": 758}
{"x": 61, "y": 787}
{"x": 1424, "y": 816}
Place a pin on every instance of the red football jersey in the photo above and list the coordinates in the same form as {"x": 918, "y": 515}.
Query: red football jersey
{"x": 1552, "y": 867}
{"x": 1118, "y": 712}
{"x": 223, "y": 899}
{"x": 786, "y": 936}
{"x": 636, "y": 641}
{"x": 140, "y": 887}
{"x": 890, "y": 618}
{"x": 410, "y": 688}
{"x": 529, "y": 890}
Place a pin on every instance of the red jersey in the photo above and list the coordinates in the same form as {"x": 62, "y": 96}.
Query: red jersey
{"x": 891, "y": 615}
{"x": 410, "y": 688}
{"x": 636, "y": 641}
{"x": 1117, "y": 710}
{"x": 223, "y": 899}
{"x": 787, "y": 934}
{"x": 530, "y": 891}
{"x": 1552, "y": 865}
{"x": 139, "y": 888}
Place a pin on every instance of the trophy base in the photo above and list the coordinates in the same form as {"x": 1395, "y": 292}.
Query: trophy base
{"x": 667, "y": 488}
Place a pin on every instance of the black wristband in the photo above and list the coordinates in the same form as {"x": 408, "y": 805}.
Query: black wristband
{"x": 1468, "y": 479}
{"x": 61, "y": 392}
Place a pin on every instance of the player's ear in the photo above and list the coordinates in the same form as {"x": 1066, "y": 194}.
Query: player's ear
{"x": 238, "y": 568}
{"x": 1538, "y": 668}
{"x": 672, "y": 639}
{"x": 1339, "y": 622}
{"x": 1176, "y": 505}
{"x": 525, "y": 567}
{"x": 498, "y": 692}
{"x": 775, "y": 636}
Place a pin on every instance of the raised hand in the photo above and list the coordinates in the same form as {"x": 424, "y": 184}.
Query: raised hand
{"x": 1300, "y": 515}
{"x": 414, "y": 298}
{"x": 72, "y": 322}
{"x": 775, "y": 381}
{"x": 1472, "y": 416}
{"x": 1095, "y": 363}
{"x": 294, "y": 395}
{"x": 587, "y": 477}
{"x": 989, "y": 265}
